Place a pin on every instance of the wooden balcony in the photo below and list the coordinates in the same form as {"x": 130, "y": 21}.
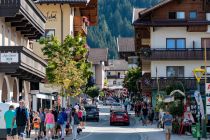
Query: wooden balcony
{"x": 25, "y": 16}
{"x": 174, "y": 54}
{"x": 189, "y": 83}
{"x": 80, "y": 26}
{"x": 20, "y": 62}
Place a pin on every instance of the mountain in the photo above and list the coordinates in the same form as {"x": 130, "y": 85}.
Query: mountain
{"x": 114, "y": 20}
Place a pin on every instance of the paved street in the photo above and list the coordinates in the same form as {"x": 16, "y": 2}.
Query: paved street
{"x": 102, "y": 130}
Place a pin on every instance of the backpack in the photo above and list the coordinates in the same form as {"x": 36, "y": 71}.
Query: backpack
{"x": 60, "y": 119}
{"x": 76, "y": 119}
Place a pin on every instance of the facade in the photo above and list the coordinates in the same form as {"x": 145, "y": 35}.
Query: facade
{"x": 20, "y": 67}
{"x": 170, "y": 38}
{"x": 98, "y": 58}
{"x": 115, "y": 72}
{"x": 64, "y": 17}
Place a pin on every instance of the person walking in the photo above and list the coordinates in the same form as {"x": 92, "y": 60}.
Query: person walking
{"x": 145, "y": 115}
{"x": 62, "y": 121}
{"x": 50, "y": 124}
{"x": 42, "y": 131}
{"x": 74, "y": 123}
{"x": 22, "y": 119}
{"x": 8, "y": 117}
{"x": 80, "y": 117}
{"x": 55, "y": 112}
{"x": 168, "y": 119}
{"x": 36, "y": 124}
{"x": 84, "y": 113}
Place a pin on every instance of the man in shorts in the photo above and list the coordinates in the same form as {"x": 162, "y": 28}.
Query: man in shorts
{"x": 22, "y": 119}
{"x": 168, "y": 119}
{"x": 8, "y": 117}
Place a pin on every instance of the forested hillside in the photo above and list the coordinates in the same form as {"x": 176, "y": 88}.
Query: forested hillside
{"x": 114, "y": 20}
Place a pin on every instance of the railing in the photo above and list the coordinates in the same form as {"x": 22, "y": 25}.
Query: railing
{"x": 187, "y": 82}
{"x": 176, "y": 54}
{"x": 79, "y": 24}
{"x": 9, "y": 8}
{"x": 22, "y": 56}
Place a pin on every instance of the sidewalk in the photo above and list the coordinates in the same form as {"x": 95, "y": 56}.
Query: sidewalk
{"x": 151, "y": 132}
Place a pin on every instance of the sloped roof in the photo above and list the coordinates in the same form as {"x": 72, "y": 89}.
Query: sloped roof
{"x": 97, "y": 55}
{"x": 125, "y": 44}
{"x": 136, "y": 12}
{"x": 61, "y": 1}
{"x": 161, "y": 3}
{"x": 117, "y": 64}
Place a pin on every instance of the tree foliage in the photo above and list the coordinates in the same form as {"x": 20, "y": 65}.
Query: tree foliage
{"x": 131, "y": 79}
{"x": 115, "y": 17}
{"x": 93, "y": 92}
{"x": 67, "y": 64}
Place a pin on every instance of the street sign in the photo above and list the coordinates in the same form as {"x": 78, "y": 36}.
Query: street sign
{"x": 207, "y": 88}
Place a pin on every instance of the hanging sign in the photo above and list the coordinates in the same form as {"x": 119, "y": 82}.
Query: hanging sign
{"x": 9, "y": 57}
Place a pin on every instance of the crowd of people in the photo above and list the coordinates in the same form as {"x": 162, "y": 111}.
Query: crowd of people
{"x": 46, "y": 123}
{"x": 145, "y": 112}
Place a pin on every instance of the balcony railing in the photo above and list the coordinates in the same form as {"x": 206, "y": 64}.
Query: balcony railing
{"x": 175, "y": 54}
{"x": 24, "y": 15}
{"x": 189, "y": 83}
{"x": 79, "y": 25}
{"x": 19, "y": 61}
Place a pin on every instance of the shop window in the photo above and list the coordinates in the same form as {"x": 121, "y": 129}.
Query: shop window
{"x": 175, "y": 71}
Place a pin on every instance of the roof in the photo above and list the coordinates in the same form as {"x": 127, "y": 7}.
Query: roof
{"x": 117, "y": 64}
{"x": 61, "y": 1}
{"x": 136, "y": 13}
{"x": 98, "y": 55}
{"x": 125, "y": 44}
{"x": 161, "y": 3}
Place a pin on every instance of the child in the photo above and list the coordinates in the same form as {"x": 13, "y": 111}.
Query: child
{"x": 36, "y": 123}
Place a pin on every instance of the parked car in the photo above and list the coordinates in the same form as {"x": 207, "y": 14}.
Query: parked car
{"x": 119, "y": 116}
{"x": 92, "y": 112}
{"x": 116, "y": 106}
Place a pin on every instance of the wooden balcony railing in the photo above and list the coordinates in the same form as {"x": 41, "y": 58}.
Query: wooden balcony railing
{"x": 189, "y": 83}
{"x": 175, "y": 54}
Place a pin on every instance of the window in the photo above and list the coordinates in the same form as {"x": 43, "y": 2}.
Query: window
{"x": 176, "y": 43}
{"x": 176, "y": 15}
{"x": 3, "y": 35}
{"x": 114, "y": 82}
{"x": 109, "y": 73}
{"x": 180, "y": 15}
{"x": 175, "y": 71}
{"x": 118, "y": 74}
{"x": 193, "y": 14}
{"x": 49, "y": 32}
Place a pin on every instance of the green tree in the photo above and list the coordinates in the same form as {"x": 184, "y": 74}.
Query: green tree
{"x": 67, "y": 63}
{"x": 93, "y": 92}
{"x": 131, "y": 78}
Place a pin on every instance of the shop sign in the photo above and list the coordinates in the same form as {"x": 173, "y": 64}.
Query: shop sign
{"x": 9, "y": 57}
{"x": 207, "y": 87}
{"x": 208, "y": 110}
{"x": 208, "y": 101}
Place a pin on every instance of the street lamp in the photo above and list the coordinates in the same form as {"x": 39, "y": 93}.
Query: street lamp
{"x": 198, "y": 72}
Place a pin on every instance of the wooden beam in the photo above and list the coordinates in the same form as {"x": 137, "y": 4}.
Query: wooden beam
{"x": 19, "y": 24}
{"x": 14, "y": 19}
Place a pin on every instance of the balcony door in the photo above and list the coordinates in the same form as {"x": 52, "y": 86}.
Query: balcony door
{"x": 205, "y": 40}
